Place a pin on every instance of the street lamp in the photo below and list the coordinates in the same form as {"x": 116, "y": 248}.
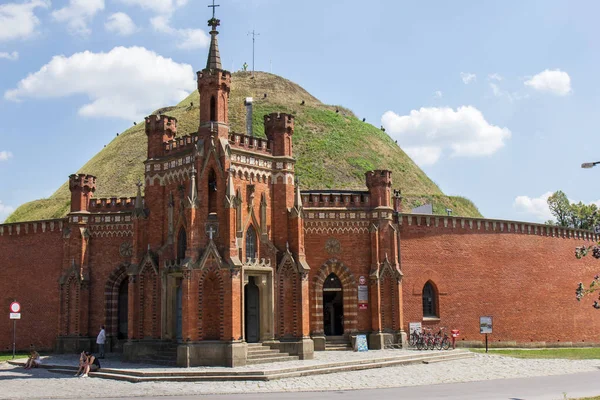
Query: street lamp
{"x": 589, "y": 164}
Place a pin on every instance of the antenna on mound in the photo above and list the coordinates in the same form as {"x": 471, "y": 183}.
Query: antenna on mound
{"x": 254, "y": 34}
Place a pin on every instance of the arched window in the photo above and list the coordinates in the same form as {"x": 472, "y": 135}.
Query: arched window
{"x": 429, "y": 301}
{"x": 212, "y": 192}
{"x": 181, "y": 244}
{"x": 250, "y": 244}
{"x": 213, "y": 109}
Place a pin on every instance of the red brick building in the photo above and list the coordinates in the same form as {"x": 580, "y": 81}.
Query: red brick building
{"x": 224, "y": 250}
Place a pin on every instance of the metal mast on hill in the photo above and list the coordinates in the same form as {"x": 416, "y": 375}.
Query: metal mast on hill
{"x": 254, "y": 34}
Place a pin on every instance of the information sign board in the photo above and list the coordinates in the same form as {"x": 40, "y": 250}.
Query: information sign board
{"x": 414, "y": 327}
{"x": 361, "y": 343}
{"x": 485, "y": 324}
{"x": 15, "y": 315}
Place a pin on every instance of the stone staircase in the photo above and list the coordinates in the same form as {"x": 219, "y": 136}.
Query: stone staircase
{"x": 337, "y": 343}
{"x": 262, "y": 354}
{"x": 166, "y": 354}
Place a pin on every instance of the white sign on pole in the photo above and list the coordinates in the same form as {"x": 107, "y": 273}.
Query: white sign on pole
{"x": 15, "y": 315}
{"x": 15, "y": 307}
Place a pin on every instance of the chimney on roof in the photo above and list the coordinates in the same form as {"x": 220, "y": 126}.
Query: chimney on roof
{"x": 248, "y": 104}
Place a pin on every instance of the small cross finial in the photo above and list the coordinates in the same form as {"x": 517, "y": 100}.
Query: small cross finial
{"x": 213, "y": 6}
{"x": 214, "y": 22}
{"x": 139, "y": 183}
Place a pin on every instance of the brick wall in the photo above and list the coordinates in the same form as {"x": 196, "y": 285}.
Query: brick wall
{"x": 526, "y": 282}
{"x": 30, "y": 263}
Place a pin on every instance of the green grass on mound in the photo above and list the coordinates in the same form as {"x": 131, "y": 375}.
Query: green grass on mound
{"x": 333, "y": 149}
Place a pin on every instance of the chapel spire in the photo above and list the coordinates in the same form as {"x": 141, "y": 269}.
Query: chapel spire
{"x": 214, "y": 84}
{"x": 214, "y": 58}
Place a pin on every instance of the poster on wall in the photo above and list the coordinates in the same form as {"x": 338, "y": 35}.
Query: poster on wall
{"x": 485, "y": 324}
{"x": 414, "y": 327}
{"x": 363, "y": 293}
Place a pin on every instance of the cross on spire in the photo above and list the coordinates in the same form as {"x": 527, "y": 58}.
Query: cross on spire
{"x": 213, "y": 7}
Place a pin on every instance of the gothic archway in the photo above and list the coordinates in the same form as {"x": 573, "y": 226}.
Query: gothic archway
{"x": 349, "y": 290}
{"x": 113, "y": 297}
{"x": 210, "y": 304}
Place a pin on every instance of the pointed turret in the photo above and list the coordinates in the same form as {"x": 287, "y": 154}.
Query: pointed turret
{"x": 214, "y": 84}
{"x": 214, "y": 58}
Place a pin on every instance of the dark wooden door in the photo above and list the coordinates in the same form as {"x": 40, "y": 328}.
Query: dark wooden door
{"x": 252, "y": 308}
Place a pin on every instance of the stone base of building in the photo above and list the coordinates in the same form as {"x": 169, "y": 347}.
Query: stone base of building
{"x": 212, "y": 353}
{"x": 304, "y": 348}
{"x": 74, "y": 344}
{"x": 319, "y": 342}
{"x": 382, "y": 340}
{"x": 138, "y": 350}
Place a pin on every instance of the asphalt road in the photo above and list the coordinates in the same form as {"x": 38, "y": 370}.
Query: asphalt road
{"x": 538, "y": 388}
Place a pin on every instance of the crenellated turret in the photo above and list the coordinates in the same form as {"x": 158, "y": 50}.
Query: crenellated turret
{"x": 159, "y": 129}
{"x": 82, "y": 187}
{"x": 379, "y": 183}
{"x": 279, "y": 129}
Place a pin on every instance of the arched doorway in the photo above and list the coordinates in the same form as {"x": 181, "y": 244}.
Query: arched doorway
{"x": 252, "y": 311}
{"x": 333, "y": 306}
{"x": 123, "y": 310}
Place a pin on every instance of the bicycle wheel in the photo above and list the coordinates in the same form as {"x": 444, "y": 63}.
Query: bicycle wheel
{"x": 446, "y": 343}
{"x": 420, "y": 343}
{"x": 431, "y": 343}
{"x": 414, "y": 338}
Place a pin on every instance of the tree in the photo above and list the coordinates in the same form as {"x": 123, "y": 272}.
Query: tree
{"x": 560, "y": 207}
{"x": 572, "y": 215}
{"x": 594, "y": 286}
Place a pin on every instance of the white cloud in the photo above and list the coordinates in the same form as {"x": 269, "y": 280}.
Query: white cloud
{"x": 5, "y": 211}
{"x": 494, "y": 77}
{"x": 425, "y": 155}
{"x": 121, "y": 24}
{"x": 17, "y": 20}
{"x": 158, "y": 6}
{"x": 437, "y": 94}
{"x": 5, "y": 155}
{"x": 14, "y": 56}
{"x": 536, "y": 207}
{"x": 189, "y": 39}
{"x": 125, "y": 82}
{"x": 78, "y": 14}
{"x": 467, "y": 77}
{"x": 463, "y": 131}
{"x": 551, "y": 81}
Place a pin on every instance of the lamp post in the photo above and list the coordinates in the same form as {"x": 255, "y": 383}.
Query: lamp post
{"x": 589, "y": 164}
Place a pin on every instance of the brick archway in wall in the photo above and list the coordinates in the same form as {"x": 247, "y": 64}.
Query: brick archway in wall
{"x": 350, "y": 296}
{"x": 111, "y": 299}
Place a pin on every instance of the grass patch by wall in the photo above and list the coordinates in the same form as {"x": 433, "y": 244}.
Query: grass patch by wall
{"x": 586, "y": 353}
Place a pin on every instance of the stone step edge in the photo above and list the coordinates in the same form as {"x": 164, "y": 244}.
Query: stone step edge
{"x": 273, "y": 376}
{"x": 418, "y": 355}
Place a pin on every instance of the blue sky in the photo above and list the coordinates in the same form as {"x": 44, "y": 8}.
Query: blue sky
{"x": 496, "y": 101}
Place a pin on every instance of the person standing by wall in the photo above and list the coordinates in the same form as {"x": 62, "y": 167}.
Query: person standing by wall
{"x": 100, "y": 341}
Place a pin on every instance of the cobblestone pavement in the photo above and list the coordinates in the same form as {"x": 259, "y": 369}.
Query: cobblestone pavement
{"x": 16, "y": 383}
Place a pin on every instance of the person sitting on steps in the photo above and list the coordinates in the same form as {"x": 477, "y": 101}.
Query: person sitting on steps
{"x": 82, "y": 362}
{"x": 92, "y": 364}
{"x": 34, "y": 359}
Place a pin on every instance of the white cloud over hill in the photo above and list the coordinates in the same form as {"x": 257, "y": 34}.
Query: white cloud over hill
{"x": 426, "y": 133}
{"x": 125, "y": 82}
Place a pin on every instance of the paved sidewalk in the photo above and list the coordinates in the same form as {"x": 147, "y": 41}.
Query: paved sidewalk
{"x": 16, "y": 383}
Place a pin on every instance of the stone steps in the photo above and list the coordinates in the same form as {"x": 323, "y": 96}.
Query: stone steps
{"x": 262, "y": 354}
{"x": 179, "y": 375}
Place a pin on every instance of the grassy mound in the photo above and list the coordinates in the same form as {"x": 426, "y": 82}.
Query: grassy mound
{"x": 333, "y": 149}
